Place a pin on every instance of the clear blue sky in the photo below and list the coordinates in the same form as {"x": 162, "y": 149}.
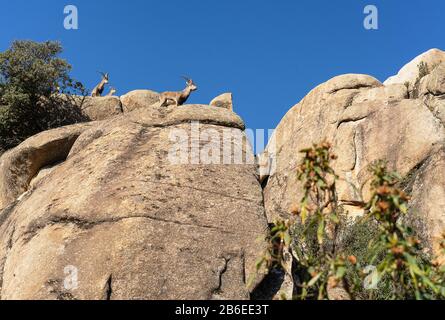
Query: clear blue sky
{"x": 270, "y": 54}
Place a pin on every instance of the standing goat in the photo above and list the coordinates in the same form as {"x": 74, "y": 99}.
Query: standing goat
{"x": 112, "y": 92}
{"x": 178, "y": 98}
{"x": 99, "y": 89}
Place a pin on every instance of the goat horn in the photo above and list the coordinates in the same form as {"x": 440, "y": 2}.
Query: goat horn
{"x": 103, "y": 74}
{"x": 187, "y": 78}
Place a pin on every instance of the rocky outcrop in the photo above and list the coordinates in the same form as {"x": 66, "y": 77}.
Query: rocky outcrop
{"x": 224, "y": 100}
{"x": 116, "y": 218}
{"x": 434, "y": 83}
{"x": 21, "y": 164}
{"x": 139, "y": 99}
{"x": 432, "y": 91}
{"x": 138, "y": 206}
{"x": 366, "y": 121}
{"x": 101, "y": 108}
{"x": 409, "y": 74}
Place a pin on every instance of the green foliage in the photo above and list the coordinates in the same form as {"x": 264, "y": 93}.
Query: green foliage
{"x": 315, "y": 232}
{"x": 312, "y": 234}
{"x": 332, "y": 252}
{"x": 356, "y": 237}
{"x": 35, "y": 91}
{"x": 279, "y": 238}
{"x": 412, "y": 275}
{"x": 423, "y": 71}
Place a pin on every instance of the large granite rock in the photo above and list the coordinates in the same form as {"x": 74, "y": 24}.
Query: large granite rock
{"x": 138, "y": 99}
{"x": 101, "y": 108}
{"x": 21, "y": 164}
{"x": 366, "y": 121}
{"x": 93, "y": 108}
{"x": 409, "y": 74}
{"x": 116, "y": 218}
{"x": 224, "y": 100}
{"x": 432, "y": 91}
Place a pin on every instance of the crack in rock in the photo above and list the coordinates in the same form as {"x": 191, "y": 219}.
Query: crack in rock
{"x": 6, "y": 212}
{"x": 352, "y": 87}
{"x": 221, "y": 271}
{"x": 87, "y": 224}
{"x": 203, "y": 190}
{"x": 108, "y": 289}
{"x": 433, "y": 112}
{"x": 351, "y": 119}
{"x": 171, "y": 123}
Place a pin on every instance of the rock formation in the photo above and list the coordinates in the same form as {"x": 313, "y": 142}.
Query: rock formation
{"x": 19, "y": 166}
{"x": 410, "y": 72}
{"x": 139, "y": 99}
{"x": 99, "y": 210}
{"x": 224, "y": 100}
{"x": 367, "y": 121}
{"x": 101, "y": 108}
{"x": 111, "y": 209}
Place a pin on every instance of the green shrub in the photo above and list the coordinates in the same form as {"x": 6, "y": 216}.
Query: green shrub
{"x": 35, "y": 91}
{"x": 335, "y": 254}
{"x": 356, "y": 237}
{"x": 423, "y": 72}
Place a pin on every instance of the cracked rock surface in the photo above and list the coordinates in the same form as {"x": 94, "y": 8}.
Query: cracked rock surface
{"x": 367, "y": 121}
{"x": 111, "y": 217}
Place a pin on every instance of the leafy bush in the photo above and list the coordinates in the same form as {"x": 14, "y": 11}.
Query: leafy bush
{"x": 424, "y": 70}
{"x": 376, "y": 257}
{"x": 356, "y": 236}
{"x": 35, "y": 91}
{"x": 413, "y": 276}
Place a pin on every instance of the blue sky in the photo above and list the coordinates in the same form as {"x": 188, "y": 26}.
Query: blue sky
{"x": 270, "y": 54}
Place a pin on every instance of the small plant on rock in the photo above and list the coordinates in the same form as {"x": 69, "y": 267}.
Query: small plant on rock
{"x": 424, "y": 70}
{"x": 332, "y": 262}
